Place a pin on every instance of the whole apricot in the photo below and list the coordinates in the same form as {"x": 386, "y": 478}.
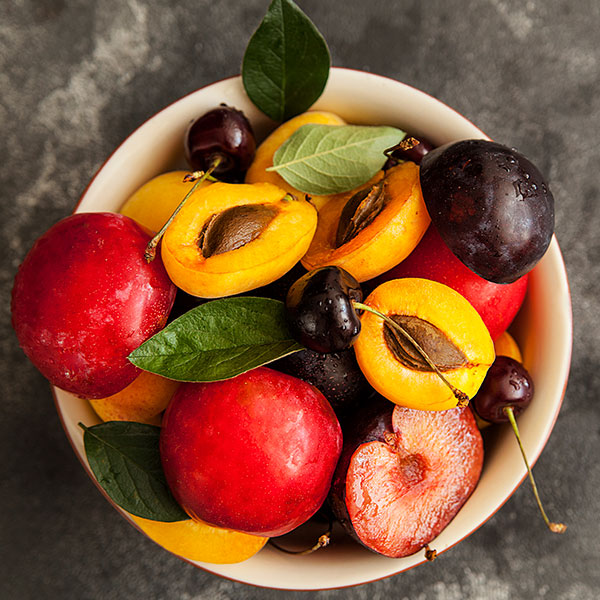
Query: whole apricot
{"x": 257, "y": 173}
{"x": 231, "y": 238}
{"x": 506, "y": 345}
{"x": 143, "y": 400}
{"x": 445, "y": 326}
{"x": 153, "y": 203}
{"x": 200, "y": 541}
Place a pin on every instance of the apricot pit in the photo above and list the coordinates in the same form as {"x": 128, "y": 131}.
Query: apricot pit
{"x": 446, "y": 328}
{"x": 232, "y": 238}
{"x": 367, "y": 232}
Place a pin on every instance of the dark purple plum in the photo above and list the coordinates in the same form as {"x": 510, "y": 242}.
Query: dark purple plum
{"x": 507, "y": 383}
{"x": 222, "y": 134}
{"x": 319, "y": 309}
{"x": 491, "y": 206}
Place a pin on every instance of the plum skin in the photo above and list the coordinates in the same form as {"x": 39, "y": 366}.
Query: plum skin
{"x": 255, "y": 453}
{"x": 491, "y": 206}
{"x": 84, "y": 298}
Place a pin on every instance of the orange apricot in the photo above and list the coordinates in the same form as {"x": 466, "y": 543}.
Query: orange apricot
{"x": 153, "y": 203}
{"x": 231, "y": 238}
{"x": 143, "y": 400}
{"x": 263, "y": 159}
{"x": 370, "y": 231}
{"x": 505, "y": 345}
{"x": 445, "y": 326}
{"x": 196, "y": 540}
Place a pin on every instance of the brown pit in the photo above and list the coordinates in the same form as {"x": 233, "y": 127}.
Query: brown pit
{"x": 443, "y": 353}
{"x": 233, "y": 228}
{"x": 360, "y": 211}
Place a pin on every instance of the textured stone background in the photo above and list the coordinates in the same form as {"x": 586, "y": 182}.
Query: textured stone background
{"x": 77, "y": 76}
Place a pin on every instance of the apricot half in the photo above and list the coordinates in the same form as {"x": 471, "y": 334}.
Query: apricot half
{"x": 263, "y": 159}
{"x": 231, "y": 238}
{"x": 200, "y": 541}
{"x": 369, "y": 231}
{"x": 445, "y": 326}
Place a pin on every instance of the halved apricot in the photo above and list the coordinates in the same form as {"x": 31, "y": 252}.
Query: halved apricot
{"x": 369, "y": 231}
{"x": 445, "y": 326}
{"x": 263, "y": 158}
{"x": 231, "y": 238}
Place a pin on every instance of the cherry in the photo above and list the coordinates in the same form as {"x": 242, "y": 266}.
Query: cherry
{"x": 220, "y": 142}
{"x": 412, "y": 149}
{"x": 225, "y": 135}
{"x": 507, "y": 384}
{"x": 507, "y": 391}
{"x": 320, "y": 311}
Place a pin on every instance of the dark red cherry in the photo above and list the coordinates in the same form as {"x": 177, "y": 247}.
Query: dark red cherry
{"x": 222, "y": 134}
{"x": 319, "y": 309}
{"x": 412, "y": 149}
{"x": 507, "y": 383}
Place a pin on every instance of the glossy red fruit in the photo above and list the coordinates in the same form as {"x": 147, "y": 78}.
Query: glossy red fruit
{"x": 255, "y": 453}
{"x": 84, "y": 298}
{"x": 403, "y": 475}
{"x": 496, "y": 303}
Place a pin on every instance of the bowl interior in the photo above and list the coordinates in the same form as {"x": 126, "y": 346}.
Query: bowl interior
{"x": 543, "y": 327}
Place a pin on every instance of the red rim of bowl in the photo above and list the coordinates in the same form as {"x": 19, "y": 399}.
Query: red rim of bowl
{"x": 532, "y": 459}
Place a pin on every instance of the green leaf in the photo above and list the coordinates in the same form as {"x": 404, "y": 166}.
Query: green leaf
{"x": 125, "y": 459}
{"x": 286, "y": 64}
{"x": 329, "y": 159}
{"x": 218, "y": 340}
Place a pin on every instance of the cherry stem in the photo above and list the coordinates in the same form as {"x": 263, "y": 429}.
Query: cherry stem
{"x": 461, "y": 397}
{"x": 406, "y": 144}
{"x": 554, "y": 527}
{"x": 197, "y": 174}
{"x": 150, "y": 252}
{"x": 323, "y": 541}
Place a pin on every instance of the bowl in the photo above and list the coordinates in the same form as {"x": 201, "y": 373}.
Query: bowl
{"x": 543, "y": 327}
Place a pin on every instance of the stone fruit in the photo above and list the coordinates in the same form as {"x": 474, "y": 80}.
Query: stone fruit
{"x": 319, "y": 309}
{"x": 335, "y": 374}
{"x": 222, "y": 137}
{"x": 491, "y": 206}
{"x": 143, "y": 400}
{"x": 195, "y": 540}
{"x": 505, "y": 393}
{"x": 507, "y": 383}
{"x": 505, "y": 345}
{"x": 84, "y": 299}
{"x": 255, "y": 453}
{"x": 257, "y": 173}
{"x": 497, "y": 304}
{"x": 369, "y": 231}
{"x": 152, "y": 204}
{"x": 447, "y": 328}
{"x": 404, "y": 474}
{"x": 231, "y": 238}
{"x": 411, "y": 149}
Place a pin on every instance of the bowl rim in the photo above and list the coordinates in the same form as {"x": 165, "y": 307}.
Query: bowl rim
{"x": 532, "y": 458}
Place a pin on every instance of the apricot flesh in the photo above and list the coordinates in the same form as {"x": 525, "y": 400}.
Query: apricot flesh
{"x": 382, "y": 242}
{"x": 451, "y": 324}
{"x": 143, "y": 400}
{"x": 231, "y": 238}
{"x": 195, "y": 540}
{"x": 257, "y": 173}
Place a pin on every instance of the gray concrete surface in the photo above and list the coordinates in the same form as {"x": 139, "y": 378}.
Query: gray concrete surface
{"x": 77, "y": 76}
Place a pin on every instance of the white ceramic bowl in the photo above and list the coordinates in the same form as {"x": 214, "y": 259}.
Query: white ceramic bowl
{"x": 543, "y": 328}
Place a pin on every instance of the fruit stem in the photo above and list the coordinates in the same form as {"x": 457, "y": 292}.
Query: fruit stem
{"x": 150, "y": 252}
{"x": 554, "y": 527}
{"x": 323, "y": 541}
{"x": 461, "y": 397}
{"x": 197, "y": 174}
{"x": 406, "y": 144}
